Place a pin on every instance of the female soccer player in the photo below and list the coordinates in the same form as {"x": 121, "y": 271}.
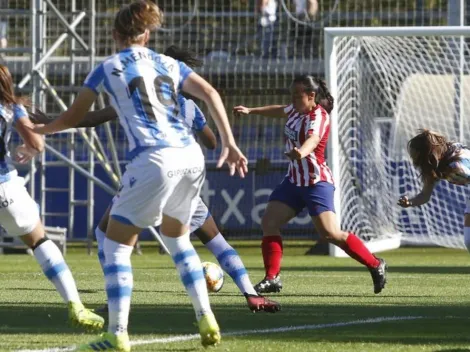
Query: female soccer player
{"x": 202, "y": 223}
{"x": 19, "y": 213}
{"x": 162, "y": 182}
{"x": 308, "y": 182}
{"x": 439, "y": 159}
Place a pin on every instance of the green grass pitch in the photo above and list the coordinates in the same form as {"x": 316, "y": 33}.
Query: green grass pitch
{"x": 333, "y": 297}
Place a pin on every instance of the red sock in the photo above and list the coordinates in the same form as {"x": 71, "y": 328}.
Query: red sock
{"x": 356, "y": 249}
{"x": 271, "y": 246}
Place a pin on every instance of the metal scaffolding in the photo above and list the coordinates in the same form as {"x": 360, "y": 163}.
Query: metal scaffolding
{"x": 39, "y": 87}
{"x": 35, "y": 82}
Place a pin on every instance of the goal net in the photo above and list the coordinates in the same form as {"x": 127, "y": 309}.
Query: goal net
{"x": 389, "y": 83}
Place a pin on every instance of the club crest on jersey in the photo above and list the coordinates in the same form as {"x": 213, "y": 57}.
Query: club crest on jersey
{"x": 290, "y": 133}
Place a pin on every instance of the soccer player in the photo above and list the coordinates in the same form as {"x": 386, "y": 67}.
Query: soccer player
{"x": 308, "y": 183}
{"x": 202, "y": 223}
{"x": 19, "y": 213}
{"x": 162, "y": 181}
{"x": 439, "y": 159}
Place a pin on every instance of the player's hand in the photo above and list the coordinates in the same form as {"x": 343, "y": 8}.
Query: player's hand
{"x": 23, "y": 154}
{"x": 40, "y": 128}
{"x": 404, "y": 202}
{"x": 235, "y": 160}
{"x": 240, "y": 110}
{"x": 294, "y": 154}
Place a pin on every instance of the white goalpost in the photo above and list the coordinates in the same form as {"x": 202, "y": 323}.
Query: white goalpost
{"x": 389, "y": 82}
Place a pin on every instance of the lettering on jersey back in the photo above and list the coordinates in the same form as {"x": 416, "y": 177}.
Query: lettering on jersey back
{"x": 133, "y": 57}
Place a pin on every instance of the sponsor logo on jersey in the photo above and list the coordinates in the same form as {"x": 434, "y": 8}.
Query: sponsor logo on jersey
{"x": 186, "y": 171}
{"x": 290, "y": 133}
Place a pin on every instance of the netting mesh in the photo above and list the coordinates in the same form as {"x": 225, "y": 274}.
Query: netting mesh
{"x": 388, "y": 88}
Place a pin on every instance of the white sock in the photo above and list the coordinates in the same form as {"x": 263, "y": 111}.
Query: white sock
{"x": 231, "y": 263}
{"x": 100, "y": 235}
{"x": 119, "y": 284}
{"x": 56, "y": 270}
{"x": 466, "y": 237}
{"x": 191, "y": 273}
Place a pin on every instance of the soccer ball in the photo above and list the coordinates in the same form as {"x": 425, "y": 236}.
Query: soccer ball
{"x": 214, "y": 276}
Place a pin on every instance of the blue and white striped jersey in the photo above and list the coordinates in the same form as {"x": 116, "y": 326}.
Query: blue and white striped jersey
{"x": 143, "y": 88}
{"x": 193, "y": 116}
{"x": 8, "y": 116}
{"x": 460, "y": 174}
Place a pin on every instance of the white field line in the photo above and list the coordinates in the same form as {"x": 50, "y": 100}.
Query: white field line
{"x": 181, "y": 338}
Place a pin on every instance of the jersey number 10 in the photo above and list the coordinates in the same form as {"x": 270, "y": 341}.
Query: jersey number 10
{"x": 138, "y": 83}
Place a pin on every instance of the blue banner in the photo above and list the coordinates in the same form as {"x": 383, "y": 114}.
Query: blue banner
{"x": 236, "y": 204}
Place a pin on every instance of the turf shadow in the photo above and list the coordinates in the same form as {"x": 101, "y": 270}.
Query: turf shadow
{"x": 168, "y": 320}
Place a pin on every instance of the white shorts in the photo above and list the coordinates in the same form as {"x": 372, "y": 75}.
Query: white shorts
{"x": 19, "y": 213}
{"x": 160, "y": 181}
{"x": 200, "y": 216}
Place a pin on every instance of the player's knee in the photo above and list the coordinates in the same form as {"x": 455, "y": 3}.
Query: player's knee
{"x": 269, "y": 225}
{"x": 334, "y": 236}
{"x": 466, "y": 234}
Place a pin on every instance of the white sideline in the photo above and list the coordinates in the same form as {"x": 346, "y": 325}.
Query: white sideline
{"x": 181, "y": 338}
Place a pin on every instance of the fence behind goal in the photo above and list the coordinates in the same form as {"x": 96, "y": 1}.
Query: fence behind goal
{"x": 247, "y": 63}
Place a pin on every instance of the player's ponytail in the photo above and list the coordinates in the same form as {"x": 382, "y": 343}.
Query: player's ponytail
{"x": 134, "y": 19}
{"x": 325, "y": 98}
{"x": 187, "y": 56}
{"x": 318, "y": 86}
{"x": 431, "y": 153}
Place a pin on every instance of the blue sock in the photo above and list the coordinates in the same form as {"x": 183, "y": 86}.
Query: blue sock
{"x": 191, "y": 273}
{"x": 56, "y": 270}
{"x": 100, "y": 235}
{"x": 119, "y": 283}
{"x": 231, "y": 263}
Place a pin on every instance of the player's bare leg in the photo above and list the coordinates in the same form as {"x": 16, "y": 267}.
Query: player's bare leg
{"x": 328, "y": 228}
{"x": 232, "y": 264}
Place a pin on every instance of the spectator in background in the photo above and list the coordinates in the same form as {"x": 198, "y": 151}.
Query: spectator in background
{"x": 3, "y": 28}
{"x": 305, "y": 37}
{"x": 306, "y": 9}
{"x": 266, "y": 29}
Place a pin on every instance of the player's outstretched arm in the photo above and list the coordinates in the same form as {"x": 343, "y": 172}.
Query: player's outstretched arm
{"x": 92, "y": 118}
{"x": 421, "y": 198}
{"x": 73, "y": 115}
{"x": 200, "y": 88}
{"x": 207, "y": 137}
{"x": 269, "y": 111}
{"x": 98, "y": 117}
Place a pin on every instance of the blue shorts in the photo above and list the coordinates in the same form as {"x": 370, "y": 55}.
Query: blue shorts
{"x": 317, "y": 198}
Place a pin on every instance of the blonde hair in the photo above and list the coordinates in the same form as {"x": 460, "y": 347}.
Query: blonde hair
{"x": 134, "y": 19}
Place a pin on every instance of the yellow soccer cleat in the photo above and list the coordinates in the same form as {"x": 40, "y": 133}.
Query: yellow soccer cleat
{"x": 108, "y": 342}
{"x": 84, "y": 318}
{"x": 209, "y": 330}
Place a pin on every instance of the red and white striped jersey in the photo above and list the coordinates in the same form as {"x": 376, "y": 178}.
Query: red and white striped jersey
{"x": 312, "y": 168}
